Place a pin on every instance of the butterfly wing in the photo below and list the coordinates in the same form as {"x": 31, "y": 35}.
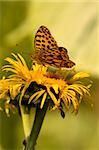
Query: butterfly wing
{"x": 48, "y": 52}
{"x": 65, "y": 61}
{"x": 44, "y": 40}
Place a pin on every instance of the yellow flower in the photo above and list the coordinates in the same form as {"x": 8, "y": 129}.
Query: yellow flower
{"x": 8, "y": 92}
{"x": 45, "y": 84}
{"x": 8, "y": 89}
{"x": 4, "y": 87}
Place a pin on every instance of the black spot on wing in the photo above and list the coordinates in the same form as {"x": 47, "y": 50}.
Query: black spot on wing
{"x": 52, "y": 40}
{"x": 43, "y": 45}
{"x": 43, "y": 36}
{"x": 38, "y": 35}
{"x": 52, "y": 45}
{"x": 43, "y": 41}
{"x": 49, "y": 42}
{"x": 37, "y": 44}
{"x": 63, "y": 49}
{"x": 39, "y": 31}
{"x": 38, "y": 41}
{"x": 59, "y": 57}
{"x": 46, "y": 38}
{"x": 48, "y": 46}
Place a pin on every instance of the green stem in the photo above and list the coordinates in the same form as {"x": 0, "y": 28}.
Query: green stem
{"x": 39, "y": 117}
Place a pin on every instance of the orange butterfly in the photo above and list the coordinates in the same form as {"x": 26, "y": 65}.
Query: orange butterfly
{"x": 48, "y": 52}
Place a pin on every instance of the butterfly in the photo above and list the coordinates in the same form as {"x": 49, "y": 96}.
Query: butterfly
{"x": 47, "y": 52}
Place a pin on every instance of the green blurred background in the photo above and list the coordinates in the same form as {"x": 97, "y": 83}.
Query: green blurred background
{"x": 74, "y": 25}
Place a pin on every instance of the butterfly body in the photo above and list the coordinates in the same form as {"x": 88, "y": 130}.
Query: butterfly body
{"x": 48, "y": 52}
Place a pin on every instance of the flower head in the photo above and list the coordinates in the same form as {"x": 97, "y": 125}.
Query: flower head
{"x": 38, "y": 84}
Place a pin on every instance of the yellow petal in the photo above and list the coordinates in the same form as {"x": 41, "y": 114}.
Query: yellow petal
{"x": 38, "y": 96}
{"x": 14, "y": 90}
{"x": 35, "y": 94}
{"x": 23, "y": 92}
{"x": 80, "y": 75}
{"x": 55, "y": 87}
{"x": 22, "y": 60}
{"x": 75, "y": 104}
{"x": 76, "y": 88}
{"x": 43, "y": 100}
{"x": 52, "y": 97}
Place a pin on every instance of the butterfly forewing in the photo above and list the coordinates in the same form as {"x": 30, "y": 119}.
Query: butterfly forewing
{"x": 47, "y": 51}
{"x": 44, "y": 40}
